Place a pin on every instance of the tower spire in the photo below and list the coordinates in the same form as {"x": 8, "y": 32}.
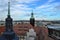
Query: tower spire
{"x": 9, "y": 20}
{"x": 9, "y": 33}
{"x": 9, "y": 8}
{"x": 32, "y": 15}
{"x": 32, "y": 19}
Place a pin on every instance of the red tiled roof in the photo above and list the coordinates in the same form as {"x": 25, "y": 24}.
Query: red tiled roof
{"x": 21, "y": 29}
{"x": 2, "y": 29}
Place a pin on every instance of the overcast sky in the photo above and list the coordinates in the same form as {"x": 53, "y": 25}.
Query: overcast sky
{"x": 21, "y": 9}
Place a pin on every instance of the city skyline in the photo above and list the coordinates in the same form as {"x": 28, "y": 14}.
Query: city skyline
{"x": 22, "y": 9}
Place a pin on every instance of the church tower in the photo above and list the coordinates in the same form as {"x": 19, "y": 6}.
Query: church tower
{"x": 9, "y": 20}
{"x": 32, "y": 19}
{"x": 9, "y": 34}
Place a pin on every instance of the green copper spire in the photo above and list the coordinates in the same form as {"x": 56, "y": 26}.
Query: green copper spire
{"x": 32, "y": 19}
{"x": 32, "y": 15}
{"x": 9, "y": 9}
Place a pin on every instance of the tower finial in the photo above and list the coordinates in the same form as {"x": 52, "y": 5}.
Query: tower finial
{"x": 32, "y": 14}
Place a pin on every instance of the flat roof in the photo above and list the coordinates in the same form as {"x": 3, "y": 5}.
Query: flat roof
{"x": 56, "y": 27}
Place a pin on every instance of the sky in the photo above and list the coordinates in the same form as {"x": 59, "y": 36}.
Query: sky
{"x": 22, "y": 9}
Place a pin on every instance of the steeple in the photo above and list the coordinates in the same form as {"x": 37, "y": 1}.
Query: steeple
{"x": 9, "y": 24}
{"x": 9, "y": 34}
{"x": 32, "y": 15}
{"x": 32, "y": 19}
{"x": 9, "y": 9}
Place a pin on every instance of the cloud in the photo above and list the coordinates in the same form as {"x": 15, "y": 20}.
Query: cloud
{"x": 48, "y": 7}
{"x": 48, "y": 10}
{"x": 26, "y": 1}
{"x": 21, "y": 9}
{"x": 58, "y": 7}
{"x": 49, "y": 1}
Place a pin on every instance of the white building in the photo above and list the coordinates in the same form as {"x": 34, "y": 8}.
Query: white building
{"x": 31, "y": 35}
